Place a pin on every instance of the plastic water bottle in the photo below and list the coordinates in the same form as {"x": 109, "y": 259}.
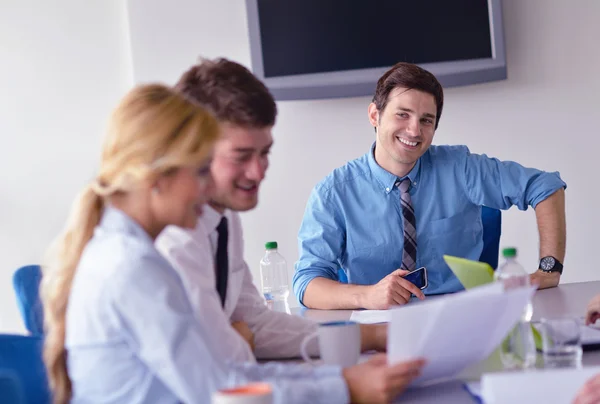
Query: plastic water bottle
{"x": 274, "y": 279}
{"x": 518, "y": 348}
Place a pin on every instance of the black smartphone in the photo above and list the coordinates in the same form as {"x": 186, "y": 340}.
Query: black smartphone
{"x": 418, "y": 277}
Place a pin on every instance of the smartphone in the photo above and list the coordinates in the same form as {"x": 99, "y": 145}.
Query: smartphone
{"x": 418, "y": 277}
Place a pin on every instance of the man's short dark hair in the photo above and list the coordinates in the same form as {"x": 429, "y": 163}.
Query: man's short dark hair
{"x": 230, "y": 91}
{"x": 409, "y": 76}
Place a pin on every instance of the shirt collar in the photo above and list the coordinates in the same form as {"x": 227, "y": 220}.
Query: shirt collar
{"x": 387, "y": 179}
{"x": 116, "y": 220}
{"x": 210, "y": 218}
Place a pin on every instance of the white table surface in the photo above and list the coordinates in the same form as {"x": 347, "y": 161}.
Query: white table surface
{"x": 564, "y": 300}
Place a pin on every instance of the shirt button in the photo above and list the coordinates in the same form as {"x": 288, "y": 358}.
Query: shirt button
{"x": 415, "y": 183}
{"x": 387, "y": 189}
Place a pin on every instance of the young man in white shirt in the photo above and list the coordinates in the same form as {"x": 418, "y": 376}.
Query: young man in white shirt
{"x": 210, "y": 258}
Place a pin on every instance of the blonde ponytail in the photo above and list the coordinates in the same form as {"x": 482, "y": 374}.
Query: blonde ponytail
{"x": 56, "y": 286}
{"x": 153, "y": 130}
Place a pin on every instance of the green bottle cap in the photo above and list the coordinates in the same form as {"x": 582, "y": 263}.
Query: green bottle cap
{"x": 509, "y": 252}
{"x": 271, "y": 245}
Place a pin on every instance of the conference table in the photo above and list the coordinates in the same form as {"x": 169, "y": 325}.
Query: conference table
{"x": 565, "y": 300}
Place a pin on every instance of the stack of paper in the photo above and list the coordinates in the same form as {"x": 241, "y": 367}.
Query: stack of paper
{"x": 556, "y": 386}
{"x": 455, "y": 331}
{"x": 370, "y": 316}
{"x": 381, "y": 316}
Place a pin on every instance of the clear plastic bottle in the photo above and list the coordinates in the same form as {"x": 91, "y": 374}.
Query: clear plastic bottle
{"x": 274, "y": 279}
{"x": 518, "y": 348}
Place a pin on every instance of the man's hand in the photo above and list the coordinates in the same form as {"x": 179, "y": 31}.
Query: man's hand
{"x": 374, "y": 381}
{"x": 373, "y": 337}
{"x": 392, "y": 290}
{"x": 589, "y": 392}
{"x": 544, "y": 280}
{"x": 593, "y": 311}
{"x": 245, "y": 332}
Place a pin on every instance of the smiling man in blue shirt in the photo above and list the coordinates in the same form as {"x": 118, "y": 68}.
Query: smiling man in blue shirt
{"x": 405, "y": 204}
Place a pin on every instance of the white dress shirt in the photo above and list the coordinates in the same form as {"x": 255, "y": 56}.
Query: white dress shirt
{"x": 132, "y": 336}
{"x": 192, "y": 254}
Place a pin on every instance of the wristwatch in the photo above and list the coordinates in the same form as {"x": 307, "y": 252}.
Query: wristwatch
{"x": 551, "y": 264}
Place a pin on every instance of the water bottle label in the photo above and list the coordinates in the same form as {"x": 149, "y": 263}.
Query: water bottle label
{"x": 269, "y": 300}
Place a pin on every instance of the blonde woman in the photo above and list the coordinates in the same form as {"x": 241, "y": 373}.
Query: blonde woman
{"x": 119, "y": 326}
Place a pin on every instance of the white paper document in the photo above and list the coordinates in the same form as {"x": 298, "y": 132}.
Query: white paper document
{"x": 455, "y": 331}
{"x": 556, "y": 386}
{"x": 379, "y": 316}
{"x": 370, "y": 316}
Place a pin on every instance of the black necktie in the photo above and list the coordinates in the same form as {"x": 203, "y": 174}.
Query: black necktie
{"x": 221, "y": 264}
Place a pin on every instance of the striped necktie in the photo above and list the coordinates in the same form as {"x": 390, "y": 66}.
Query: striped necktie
{"x": 409, "y": 255}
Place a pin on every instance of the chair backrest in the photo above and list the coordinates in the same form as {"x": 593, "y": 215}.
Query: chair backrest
{"x": 26, "y": 282}
{"x": 492, "y": 229}
{"x": 10, "y": 388}
{"x": 21, "y": 355}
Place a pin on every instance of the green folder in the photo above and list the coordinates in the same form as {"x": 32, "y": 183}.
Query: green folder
{"x": 470, "y": 273}
{"x": 474, "y": 273}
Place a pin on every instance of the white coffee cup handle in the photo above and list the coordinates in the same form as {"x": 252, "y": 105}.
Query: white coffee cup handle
{"x": 304, "y": 346}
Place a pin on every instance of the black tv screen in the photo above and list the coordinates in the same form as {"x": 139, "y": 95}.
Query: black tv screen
{"x": 316, "y": 36}
{"x": 306, "y": 49}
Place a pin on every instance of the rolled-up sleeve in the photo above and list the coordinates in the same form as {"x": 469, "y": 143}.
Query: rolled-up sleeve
{"x": 502, "y": 184}
{"x": 321, "y": 240}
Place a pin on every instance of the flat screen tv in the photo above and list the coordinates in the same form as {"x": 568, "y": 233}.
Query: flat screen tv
{"x": 311, "y": 49}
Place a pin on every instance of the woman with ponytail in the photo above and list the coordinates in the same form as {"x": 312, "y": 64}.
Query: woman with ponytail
{"x": 154, "y": 171}
{"x": 119, "y": 327}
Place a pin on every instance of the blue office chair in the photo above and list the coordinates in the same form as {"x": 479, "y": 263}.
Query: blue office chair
{"x": 21, "y": 357}
{"x": 492, "y": 229}
{"x": 10, "y": 388}
{"x": 26, "y": 282}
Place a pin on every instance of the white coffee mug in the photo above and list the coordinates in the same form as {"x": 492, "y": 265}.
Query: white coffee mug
{"x": 254, "y": 393}
{"x": 339, "y": 343}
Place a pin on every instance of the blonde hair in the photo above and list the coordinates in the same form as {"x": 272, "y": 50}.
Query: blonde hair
{"x": 153, "y": 130}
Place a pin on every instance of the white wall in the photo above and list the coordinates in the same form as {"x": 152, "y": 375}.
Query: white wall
{"x": 63, "y": 66}
{"x": 542, "y": 116}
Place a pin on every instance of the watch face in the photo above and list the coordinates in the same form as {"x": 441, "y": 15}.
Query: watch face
{"x": 547, "y": 263}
